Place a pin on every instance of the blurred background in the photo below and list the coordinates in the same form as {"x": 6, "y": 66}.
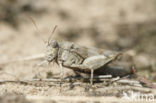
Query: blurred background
{"x": 119, "y": 25}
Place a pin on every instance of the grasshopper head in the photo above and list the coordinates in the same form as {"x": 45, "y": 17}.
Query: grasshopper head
{"x": 52, "y": 50}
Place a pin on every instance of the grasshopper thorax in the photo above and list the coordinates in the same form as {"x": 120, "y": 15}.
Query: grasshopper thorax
{"x": 51, "y": 50}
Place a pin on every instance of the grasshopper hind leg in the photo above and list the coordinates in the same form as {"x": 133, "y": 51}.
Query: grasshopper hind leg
{"x": 91, "y": 77}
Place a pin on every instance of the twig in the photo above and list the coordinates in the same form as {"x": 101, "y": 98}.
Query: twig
{"x": 52, "y": 81}
{"x": 95, "y": 77}
{"x": 146, "y": 82}
{"x": 75, "y": 99}
{"x": 127, "y": 87}
{"x": 55, "y": 79}
{"x": 129, "y": 82}
{"x": 67, "y": 80}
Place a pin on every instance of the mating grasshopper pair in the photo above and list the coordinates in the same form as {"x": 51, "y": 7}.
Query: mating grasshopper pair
{"x": 73, "y": 56}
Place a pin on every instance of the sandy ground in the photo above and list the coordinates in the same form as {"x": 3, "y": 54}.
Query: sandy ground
{"x": 109, "y": 24}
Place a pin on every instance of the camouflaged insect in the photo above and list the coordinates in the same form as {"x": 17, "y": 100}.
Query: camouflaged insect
{"x": 78, "y": 57}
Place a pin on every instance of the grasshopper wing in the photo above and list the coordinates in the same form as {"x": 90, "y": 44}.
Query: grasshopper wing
{"x": 86, "y": 52}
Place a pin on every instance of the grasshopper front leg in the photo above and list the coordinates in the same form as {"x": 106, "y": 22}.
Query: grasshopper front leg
{"x": 61, "y": 71}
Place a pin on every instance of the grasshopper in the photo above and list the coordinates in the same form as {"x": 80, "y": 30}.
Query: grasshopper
{"x": 76, "y": 57}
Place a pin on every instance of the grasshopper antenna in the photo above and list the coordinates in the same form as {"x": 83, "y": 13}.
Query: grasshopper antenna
{"x": 34, "y": 23}
{"x": 52, "y": 33}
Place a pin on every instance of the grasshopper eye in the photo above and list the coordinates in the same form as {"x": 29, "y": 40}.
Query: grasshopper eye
{"x": 54, "y": 44}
